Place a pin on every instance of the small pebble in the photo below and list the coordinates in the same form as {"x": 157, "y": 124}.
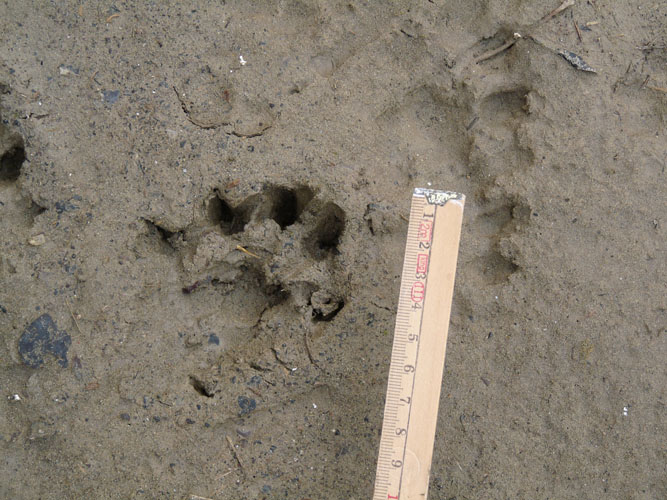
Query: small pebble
{"x": 37, "y": 240}
{"x": 246, "y": 404}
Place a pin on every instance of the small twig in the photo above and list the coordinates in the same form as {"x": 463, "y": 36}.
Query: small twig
{"x": 494, "y": 52}
{"x": 241, "y": 249}
{"x": 652, "y": 47}
{"x": 558, "y": 10}
{"x": 648, "y": 77}
{"x": 255, "y": 392}
{"x": 659, "y": 89}
{"x": 472, "y": 123}
{"x": 289, "y": 369}
{"x": 236, "y": 455}
{"x": 624, "y": 75}
{"x": 578, "y": 32}
{"x": 528, "y": 33}
{"x": 73, "y": 317}
{"x": 112, "y": 17}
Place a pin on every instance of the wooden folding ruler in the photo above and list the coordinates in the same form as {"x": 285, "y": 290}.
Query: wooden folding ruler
{"x": 420, "y": 340}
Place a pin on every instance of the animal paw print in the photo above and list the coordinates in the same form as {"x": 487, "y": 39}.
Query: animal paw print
{"x": 288, "y": 235}
{"x": 210, "y": 101}
{"x": 500, "y": 141}
{"x": 17, "y": 206}
{"x": 277, "y": 247}
{"x": 260, "y": 277}
{"x": 284, "y": 207}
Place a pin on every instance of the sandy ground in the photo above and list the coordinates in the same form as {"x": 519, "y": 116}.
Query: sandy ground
{"x": 143, "y": 355}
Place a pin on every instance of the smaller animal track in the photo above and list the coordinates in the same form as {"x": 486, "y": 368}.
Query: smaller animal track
{"x": 495, "y": 261}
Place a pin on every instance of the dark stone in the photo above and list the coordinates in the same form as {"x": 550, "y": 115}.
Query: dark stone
{"x": 125, "y": 416}
{"x": 213, "y": 339}
{"x": 42, "y": 337}
{"x": 111, "y": 96}
{"x": 65, "y": 206}
{"x": 247, "y": 404}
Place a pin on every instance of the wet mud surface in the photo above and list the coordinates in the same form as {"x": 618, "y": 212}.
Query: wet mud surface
{"x": 203, "y": 215}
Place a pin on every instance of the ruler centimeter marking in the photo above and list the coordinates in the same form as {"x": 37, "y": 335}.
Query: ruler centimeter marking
{"x": 420, "y": 341}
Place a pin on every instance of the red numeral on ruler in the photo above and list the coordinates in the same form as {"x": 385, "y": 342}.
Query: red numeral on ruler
{"x": 425, "y": 231}
{"x": 422, "y": 263}
{"x": 417, "y": 292}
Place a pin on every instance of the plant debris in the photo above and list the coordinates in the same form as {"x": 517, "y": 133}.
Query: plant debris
{"x": 576, "y": 61}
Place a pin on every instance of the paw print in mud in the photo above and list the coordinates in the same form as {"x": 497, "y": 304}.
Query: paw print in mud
{"x": 260, "y": 278}
{"x": 285, "y": 209}
{"x": 275, "y": 247}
